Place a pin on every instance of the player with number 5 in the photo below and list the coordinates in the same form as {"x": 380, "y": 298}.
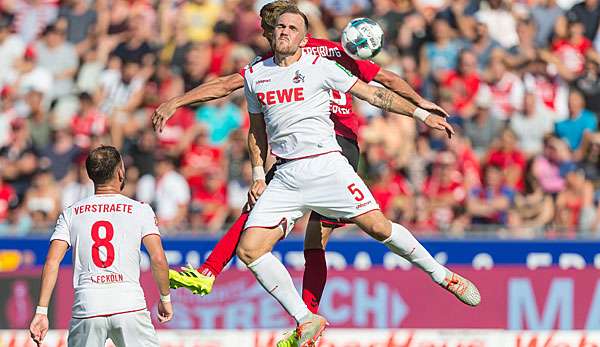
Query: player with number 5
{"x": 291, "y": 115}
{"x": 106, "y": 231}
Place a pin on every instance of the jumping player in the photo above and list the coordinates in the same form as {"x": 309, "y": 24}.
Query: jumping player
{"x": 288, "y": 102}
{"x": 105, "y": 231}
{"x": 345, "y": 124}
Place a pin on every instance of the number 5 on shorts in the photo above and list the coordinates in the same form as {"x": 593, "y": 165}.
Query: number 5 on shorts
{"x": 358, "y": 195}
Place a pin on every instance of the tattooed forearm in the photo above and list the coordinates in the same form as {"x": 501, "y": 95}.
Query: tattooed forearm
{"x": 383, "y": 98}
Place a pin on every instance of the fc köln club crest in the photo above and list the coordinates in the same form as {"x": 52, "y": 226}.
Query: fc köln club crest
{"x": 298, "y": 77}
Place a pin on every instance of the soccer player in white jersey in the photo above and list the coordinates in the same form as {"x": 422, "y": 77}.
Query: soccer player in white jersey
{"x": 105, "y": 232}
{"x": 288, "y": 103}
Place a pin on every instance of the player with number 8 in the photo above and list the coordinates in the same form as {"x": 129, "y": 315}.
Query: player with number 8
{"x": 105, "y": 232}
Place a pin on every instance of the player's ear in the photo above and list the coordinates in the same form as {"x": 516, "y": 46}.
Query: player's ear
{"x": 121, "y": 173}
{"x": 304, "y": 41}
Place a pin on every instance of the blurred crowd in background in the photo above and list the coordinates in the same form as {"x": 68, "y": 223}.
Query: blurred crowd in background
{"x": 520, "y": 79}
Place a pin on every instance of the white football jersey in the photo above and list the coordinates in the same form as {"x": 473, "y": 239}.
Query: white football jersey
{"x": 295, "y": 102}
{"x": 105, "y": 232}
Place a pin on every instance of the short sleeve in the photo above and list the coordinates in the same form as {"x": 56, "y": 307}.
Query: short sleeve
{"x": 336, "y": 76}
{"x": 367, "y": 70}
{"x": 61, "y": 230}
{"x": 253, "y": 104}
{"x": 149, "y": 221}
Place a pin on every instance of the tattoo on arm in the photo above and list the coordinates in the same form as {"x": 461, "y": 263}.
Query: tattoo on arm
{"x": 383, "y": 98}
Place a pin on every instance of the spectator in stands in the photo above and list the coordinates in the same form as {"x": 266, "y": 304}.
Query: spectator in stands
{"x": 519, "y": 56}
{"x": 12, "y": 48}
{"x": 551, "y": 92}
{"x": 177, "y": 45}
{"x": 246, "y": 23}
{"x": 506, "y": 155}
{"x": 38, "y": 121}
{"x": 571, "y": 51}
{"x": 143, "y": 153}
{"x": 533, "y": 209}
{"x": 197, "y": 65}
{"x": 482, "y": 128}
{"x": 61, "y": 154}
{"x": 589, "y": 85}
{"x": 200, "y": 17}
{"x": 545, "y": 14}
{"x": 88, "y": 122}
{"x": 209, "y": 203}
{"x": 483, "y": 46}
{"x": 588, "y": 156}
{"x": 444, "y": 190}
{"x": 392, "y": 192}
{"x": 18, "y": 223}
{"x": 121, "y": 89}
{"x": 588, "y": 13}
{"x": 31, "y": 17}
{"x": 579, "y": 122}
{"x": 440, "y": 56}
{"x": 78, "y": 19}
{"x": 169, "y": 192}
{"x": 77, "y": 186}
{"x": 490, "y": 203}
{"x": 575, "y": 210}
{"x": 7, "y": 197}
{"x": 28, "y": 75}
{"x": 222, "y": 47}
{"x": 506, "y": 90}
{"x": 8, "y": 113}
{"x": 43, "y": 200}
{"x": 463, "y": 84}
{"x": 531, "y": 126}
{"x": 466, "y": 159}
{"x": 221, "y": 117}
{"x": 237, "y": 190}
{"x": 548, "y": 166}
{"x": 59, "y": 57}
{"x": 18, "y": 158}
{"x": 136, "y": 46}
{"x": 500, "y": 22}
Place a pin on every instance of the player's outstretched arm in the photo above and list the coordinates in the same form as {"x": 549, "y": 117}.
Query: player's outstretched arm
{"x": 390, "y": 101}
{"x": 395, "y": 83}
{"x": 39, "y": 325}
{"x": 257, "y": 147}
{"x": 160, "y": 272}
{"x": 211, "y": 90}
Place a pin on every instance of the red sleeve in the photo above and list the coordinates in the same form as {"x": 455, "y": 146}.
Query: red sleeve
{"x": 368, "y": 69}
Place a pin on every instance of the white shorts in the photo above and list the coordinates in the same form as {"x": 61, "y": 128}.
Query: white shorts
{"x": 326, "y": 184}
{"x": 125, "y": 329}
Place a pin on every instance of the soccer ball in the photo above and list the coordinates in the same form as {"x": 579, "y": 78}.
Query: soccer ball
{"x": 362, "y": 38}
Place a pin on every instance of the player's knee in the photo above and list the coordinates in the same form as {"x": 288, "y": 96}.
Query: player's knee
{"x": 380, "y": 229}
{"x": 248, "y": 254}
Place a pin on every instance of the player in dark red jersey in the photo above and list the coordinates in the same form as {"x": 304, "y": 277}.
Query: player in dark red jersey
{"x": 200, "y": 281}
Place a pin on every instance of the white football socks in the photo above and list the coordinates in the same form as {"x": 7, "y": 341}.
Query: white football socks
{"x": 275, "y": 278}
{"x": 404, "y": 244}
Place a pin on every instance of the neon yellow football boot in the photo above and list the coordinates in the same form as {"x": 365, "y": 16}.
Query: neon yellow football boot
{"x": 192, "y": 280}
